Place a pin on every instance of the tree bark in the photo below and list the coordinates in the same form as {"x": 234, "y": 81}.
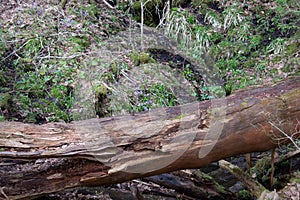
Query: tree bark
{"x": 41, "y": 159}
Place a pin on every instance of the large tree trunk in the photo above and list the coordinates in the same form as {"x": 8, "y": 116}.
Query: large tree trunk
{"x": 39, "y": 159}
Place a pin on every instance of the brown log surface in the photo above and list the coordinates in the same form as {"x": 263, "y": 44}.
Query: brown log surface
{"x": 40, "y": 159}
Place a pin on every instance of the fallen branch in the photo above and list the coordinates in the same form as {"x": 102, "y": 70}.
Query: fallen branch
{"x": 40, "y": 159}
{"x": 252, "y": 185}
{"x": 258, "y": 190}
{"x": 194, "y": 184}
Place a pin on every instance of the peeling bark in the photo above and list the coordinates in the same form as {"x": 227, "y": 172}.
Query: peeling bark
{"x": 40, "y": 159}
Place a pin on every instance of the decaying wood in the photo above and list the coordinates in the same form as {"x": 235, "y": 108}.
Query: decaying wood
{"x": 253, "y": 186}
{"x": 194, "y": 184}
{"x": 258, "y": 190}
{"x": 287, "y": 156}
{"x": 291, "y": 191}
{"x": 40, "y": 159}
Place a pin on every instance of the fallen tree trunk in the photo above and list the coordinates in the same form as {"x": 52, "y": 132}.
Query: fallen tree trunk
{"x": 40, "y": 159}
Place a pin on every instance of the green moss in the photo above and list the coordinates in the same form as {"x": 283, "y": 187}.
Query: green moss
{"x": 82, "y": 41}
{"x": 180, "y": 117}
{"x": 274, "y": 71}
{"x": 141, "y": 58}
{"x": 63, "y": 4}
{"x": 92, "y": 10}
{"x": 110, "y": 77}
{"x": 287, "y": 68}
{"x": 277, "y": 59}
{"x": 228, "y": 88}
{"x": 135, "y": 58}
{"x": 249, "y": 63}
{"x": 197, "y": 3}
{"x": 114, "y": 67}
{"x": 244, "y": 195}
{"x": 206, "y": 176}
{"x": 221, "y": 188}
{"x": 261, "y": 167}
{"x": 292, "y": 48}
{"x": 101, "y": 100}
{"x": 2, "y": 78}
{"x": 237, "y": 170}
{"x": 296, "y": 179}
{"x": 145, "y": 58}
{"x": 112, "y": 74}
{"x": 2, "y": 119}
{"x": 101, "y": 92}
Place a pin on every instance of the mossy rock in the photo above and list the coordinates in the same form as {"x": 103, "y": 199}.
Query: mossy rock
{"x": 102, "y": 102}
{"x": 101, "y": 92}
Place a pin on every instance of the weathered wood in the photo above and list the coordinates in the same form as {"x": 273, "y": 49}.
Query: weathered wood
{"x": 194, "y": 184}
{"x": 40, "y": 159}
{"x": 253, "y": 186}
{"x": 291, "y": 191}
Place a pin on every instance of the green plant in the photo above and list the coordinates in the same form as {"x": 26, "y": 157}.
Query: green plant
{"x": 205, "y": 95}
{"x": 177, "y": 26}
{"x": 202, "y": 39}
{"x": 233, "y": 16}
{"x": 154, "y": 95}
{"x": 5, "y": 101}
{"x": 277, "y": 46}
{"x": 254, "y": 42}
{"x": 244, "y": 195}
{"x": 214, "y": 20}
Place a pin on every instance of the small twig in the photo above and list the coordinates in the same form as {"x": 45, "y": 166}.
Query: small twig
{"x": 110, "y": 6}
{"x": 3, "y": 193}
{"x": 165, "y": 12}
{"x": 43, "y": 35}
{"x": 65, "y": 57}
{"x": 248, "y": 160}
{"x": 110, "y": 88}
{"x": 286, "y": 135}
{"x": 15, "y": 51}
{"x": 287, "y": 156}
{"x": 128, "y": 78}
{"x": 272, "y": 169}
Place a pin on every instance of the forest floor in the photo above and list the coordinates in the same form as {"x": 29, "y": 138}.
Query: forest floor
{"x": 50, "y": 54}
